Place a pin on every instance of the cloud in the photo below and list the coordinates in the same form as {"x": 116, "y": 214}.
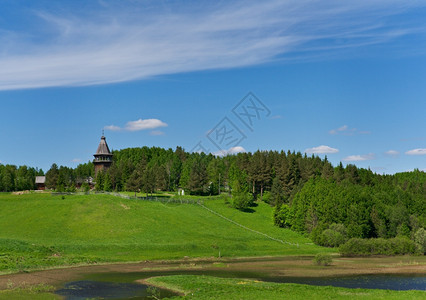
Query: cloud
{"x": 139, "y": 125}
{"x": 392, "y": 153}
{"x": 419, "y": 151}
{"x": 345, "y": 130}
{"x": 369, "y": 156}
{"x": 321, "y": 150}
{"x": 340, "y": 129}
{"x": 119, "y": 41}
{"x": 232, "y": 150}
{"x": 157, "y": 132}
{"x": 112, "y": 128}
{"x": 76, "y": 160}
{"x": 144, "y": 124}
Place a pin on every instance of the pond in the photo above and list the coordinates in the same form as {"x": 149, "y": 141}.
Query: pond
{"x": 86, "y": 289}
{"x": 116, "y": 285}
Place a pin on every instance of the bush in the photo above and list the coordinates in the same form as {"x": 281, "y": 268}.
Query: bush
{"x": 366, "y": 247}
{"x": 323, "y": 259}
{"x": 420, "y": 240}
{"x": 282, "y": 216}
{"x": 329, "y": 236}
{"x": 266, "y": 197}
{"x": 242, "y": 200}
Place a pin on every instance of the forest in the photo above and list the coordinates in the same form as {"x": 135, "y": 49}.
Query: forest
{"x": 333, "y": 205}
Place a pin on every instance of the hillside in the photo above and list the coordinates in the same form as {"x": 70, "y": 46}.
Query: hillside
{"x": 40, "y": 230}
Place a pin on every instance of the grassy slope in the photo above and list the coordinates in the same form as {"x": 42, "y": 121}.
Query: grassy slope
{"x": 206, "y": 287}
{"x": 39, "y": 230}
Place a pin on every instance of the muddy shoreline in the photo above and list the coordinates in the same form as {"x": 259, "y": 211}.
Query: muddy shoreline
{"x": 287, "y": 266}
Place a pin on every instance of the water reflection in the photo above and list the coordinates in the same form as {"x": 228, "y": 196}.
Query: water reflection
{"x": 386, "y": 282}
{"x": 86, "y": 289}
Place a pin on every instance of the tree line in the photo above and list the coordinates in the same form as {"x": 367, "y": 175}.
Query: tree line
{"x": 13, "y": 178}
{"x": 310, "y": 195}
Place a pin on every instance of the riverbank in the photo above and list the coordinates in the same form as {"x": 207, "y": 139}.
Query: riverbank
{"x": 207, "y": 287}
{"x": 288, "y": 266}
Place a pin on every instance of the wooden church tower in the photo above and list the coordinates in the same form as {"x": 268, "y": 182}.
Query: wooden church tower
{"x": 103, "y": 157}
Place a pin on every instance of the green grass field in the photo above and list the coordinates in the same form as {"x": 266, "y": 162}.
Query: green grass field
{"x": 207, "y": 287}
{"x": 41, "y": 230}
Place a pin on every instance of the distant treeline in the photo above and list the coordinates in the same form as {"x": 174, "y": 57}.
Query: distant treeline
{"x": 13, "y": 178}
{"x": 331, "y": 204}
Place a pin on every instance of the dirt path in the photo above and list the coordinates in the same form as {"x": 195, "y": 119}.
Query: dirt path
{"x": 274, "y": 266}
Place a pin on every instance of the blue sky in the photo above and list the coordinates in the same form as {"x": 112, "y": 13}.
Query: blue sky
{"x": 334, "y": 78}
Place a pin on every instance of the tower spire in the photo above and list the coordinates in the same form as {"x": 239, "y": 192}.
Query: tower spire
{"x": 103, "y": 157}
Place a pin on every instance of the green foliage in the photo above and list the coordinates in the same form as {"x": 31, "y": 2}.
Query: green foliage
{"x": 134, "y": 183}
{"x": 323, "y": 259}
{"x": 283, "y": 216}
{"x": 379, "y": 246}
{"x": 277, "y": 192}
{"x": 420, "y": 240}
{"x": 333, "y": 236}
{"x": 241, "y": 198}
{"x": 107, "y": 186}
{"x": 267, "y": 198}
{"x": 100, "y": 179}
{"x": 381, "y": 209}
{"x": 85, "y": 187}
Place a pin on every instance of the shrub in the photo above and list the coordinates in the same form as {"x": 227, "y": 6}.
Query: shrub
{"x": 323, "y": 259}
{"x": 282, "y": 216}
{"x": 242, "y": 200}
{"x": 329, "y": 236}
{"x": 366, "y": 247}
{"x": 420, "y": 240}
{"x": 266, "y": 197}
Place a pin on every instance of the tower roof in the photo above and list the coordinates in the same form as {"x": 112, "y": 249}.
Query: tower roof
{"x": 103, "y": 147}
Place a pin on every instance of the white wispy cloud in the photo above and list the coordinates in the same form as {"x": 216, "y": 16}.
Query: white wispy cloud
{"x": 419, "y": 151}
{"x": 392, "y": 153}
{"x": 232, "y": 150}
{"x": 139, "y": 125}
{"x": 144, "y": 124}
{"x": 321, "y": 150}
{"x": 76, "y": 160}
{"x": 120, "y": 41}
{"x": 345, "y": 130}
{"x": 369, "y": 156}
{"x": 112, "y": 128}
{"x": 157, "y": 132}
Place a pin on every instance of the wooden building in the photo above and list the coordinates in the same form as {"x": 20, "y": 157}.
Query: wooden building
{"x": 40, "y": 182}
{"x": 103, "y": 157}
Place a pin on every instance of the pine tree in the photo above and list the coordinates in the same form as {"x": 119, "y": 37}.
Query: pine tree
{"x": 277, "y": 192}
{"x": 133, "y": 183}
{"x": 100, "y": 178}
{"x": 52, "y": 177}
{"x": 107, "y": 183}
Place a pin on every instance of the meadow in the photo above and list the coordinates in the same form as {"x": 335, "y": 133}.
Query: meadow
{"x": 207, "y": 287}
{"x": 42, "y": 230}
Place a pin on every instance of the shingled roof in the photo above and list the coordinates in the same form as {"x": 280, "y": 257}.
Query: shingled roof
{"x": 40, "y": 179}
{"x": 103, "y": 147}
